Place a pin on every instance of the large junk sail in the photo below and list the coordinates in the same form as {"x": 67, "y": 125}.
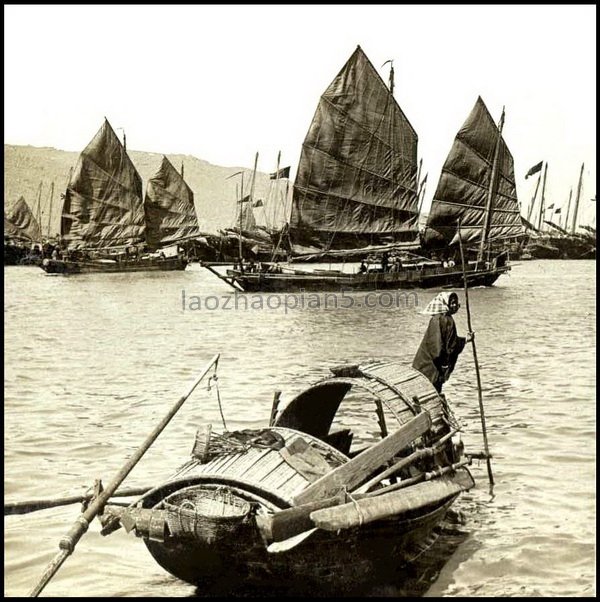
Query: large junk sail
{"x": 356, "y": 182}
{"x": 464, "y": 186}
{"x": 169, "y": 208}
{"x": 20, "y": 223}
{"x": 103, "y": 202}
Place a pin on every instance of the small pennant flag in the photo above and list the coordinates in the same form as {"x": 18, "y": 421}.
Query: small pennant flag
{"x": 247, "y": 198}
{"x": 537, "y": 167}
{"x": 282, "y": 173}
{"x": 258, "y": 203}
{"x": 550, "y": 207}
{"x": 557, "y": 210}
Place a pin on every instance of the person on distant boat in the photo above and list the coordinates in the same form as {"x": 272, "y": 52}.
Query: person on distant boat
{"x": 441, "y": 345}
{"x": 363, "y": 267}
{"x": 55, "y": 253}
{"x": 385, "y": 260}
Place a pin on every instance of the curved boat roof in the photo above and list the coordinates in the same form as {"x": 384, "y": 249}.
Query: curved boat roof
{"x": 398, "y": 391}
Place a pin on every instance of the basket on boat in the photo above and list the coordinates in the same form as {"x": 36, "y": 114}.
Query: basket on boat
{"x": 199, "y": 512}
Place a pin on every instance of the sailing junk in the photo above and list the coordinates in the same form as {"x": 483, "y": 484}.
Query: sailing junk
{"x": 356, "y": 193}
{"x": 468, "y": 181}
{"x": 169, "y": 208}
{"x": 103, "y": 213}
{"x": 21, "y": 230}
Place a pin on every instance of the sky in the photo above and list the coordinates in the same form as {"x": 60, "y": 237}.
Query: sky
{"x": 224, "y": 82}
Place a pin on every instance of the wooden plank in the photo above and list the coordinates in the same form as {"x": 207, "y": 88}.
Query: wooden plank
{"x": 367, "y": 510}
{"x": 353, "y": 472}
{"x": 262, "y": 469}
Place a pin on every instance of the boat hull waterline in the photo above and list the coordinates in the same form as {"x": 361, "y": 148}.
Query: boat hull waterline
{"x": 60, "y": 266}
{"x": 427, "y": 278}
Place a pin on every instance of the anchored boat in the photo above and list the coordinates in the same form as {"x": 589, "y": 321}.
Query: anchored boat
{"x": 105, "y": 220}
{"x": 346, "y": 485}
{"x": 357, "y": 194}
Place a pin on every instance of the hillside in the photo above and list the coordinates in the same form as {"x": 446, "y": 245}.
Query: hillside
{"x": 26, "y": 166}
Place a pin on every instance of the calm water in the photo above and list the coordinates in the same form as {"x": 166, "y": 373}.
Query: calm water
{"x": 93, "y": 362}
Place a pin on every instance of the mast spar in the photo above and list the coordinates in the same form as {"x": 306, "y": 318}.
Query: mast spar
{"x": 574, "y": 227}
{"x": 491, "y": 191}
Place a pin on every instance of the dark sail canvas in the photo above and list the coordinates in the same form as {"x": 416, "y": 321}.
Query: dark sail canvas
{"x": 103, "y": 202}
{"x": 357, "y": 178}
{"x": 169, "y": 208}
{"x": 464, "y": 186}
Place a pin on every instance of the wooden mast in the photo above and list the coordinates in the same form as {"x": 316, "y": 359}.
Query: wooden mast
{"x": 50, "y": 210}
{"x": 275, "y": 197}
{"x": 530, "y": 210}
{"x": 541, "y": 216}
{"x": 489, "y": 207}
{"x": 39, "y": 215}
{"x": 577, "y": 197}
{"x": 240, "y": 224}
{"x": 566, "y": 222}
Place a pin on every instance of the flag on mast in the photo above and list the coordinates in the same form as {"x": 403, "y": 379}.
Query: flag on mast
{"x": 537, "y": 167}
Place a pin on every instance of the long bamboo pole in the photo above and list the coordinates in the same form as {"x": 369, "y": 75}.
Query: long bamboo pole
{"x": 27, "y": 506}
{"x": 479, "y": 391}
{"x": 69, "y": 541}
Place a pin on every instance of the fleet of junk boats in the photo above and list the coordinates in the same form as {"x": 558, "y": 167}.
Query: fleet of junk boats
{"x": 306, "y": 502}
{"x": 357, "y": 196}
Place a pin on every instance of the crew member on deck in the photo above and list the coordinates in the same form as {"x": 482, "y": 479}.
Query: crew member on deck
{"x": 441, "y": 345}
{"x": 385, "y": 260}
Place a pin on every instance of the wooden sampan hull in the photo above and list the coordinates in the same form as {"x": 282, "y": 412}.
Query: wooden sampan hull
{"x": 342, "y": 562}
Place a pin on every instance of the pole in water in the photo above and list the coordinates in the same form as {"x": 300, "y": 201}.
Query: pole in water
{"x": 69, "y": 541}
{"x": 479, "y": 391}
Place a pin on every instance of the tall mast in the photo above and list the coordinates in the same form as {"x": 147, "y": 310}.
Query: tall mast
{"x": 391, "y": 77}
{"x": 491, "y": 191}
{"x": 50, "y": 210}
{"x": 253, "y": 180}
{"x": 541, "y": 216}
{"x": 530, "y": 210}
{"x": 577, "y": 197}
{"x": 39, "y": 213}
{"x": 241, "y": 205}
{"x": 421, "y": 193}
{"x": 566, "y": 222}
{"x": 276, "y": 190}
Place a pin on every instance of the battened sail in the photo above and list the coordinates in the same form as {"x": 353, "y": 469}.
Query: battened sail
{"x": 356, "y": 181}
{"x": 20, "y": 223}
{"x": 103, "y": 202}
{"x": 464, "y": 186}
{"x": 169, "y": 208}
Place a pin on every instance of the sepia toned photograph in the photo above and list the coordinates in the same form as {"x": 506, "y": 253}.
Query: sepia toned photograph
{"x": 300, "y": 300}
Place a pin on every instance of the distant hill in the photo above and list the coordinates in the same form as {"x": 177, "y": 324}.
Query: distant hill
{"x": 26, "y": 166}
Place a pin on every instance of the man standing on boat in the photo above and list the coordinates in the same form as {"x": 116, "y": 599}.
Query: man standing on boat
{"x": 441, "y": 345}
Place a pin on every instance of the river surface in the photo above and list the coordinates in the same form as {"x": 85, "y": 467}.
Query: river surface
{"x": 93, "y": 362}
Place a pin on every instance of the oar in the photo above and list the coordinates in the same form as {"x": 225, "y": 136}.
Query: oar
{"x": 69, "y": 541}
{"x": 27, "y": 506}
{"x": 479, "y": 391}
